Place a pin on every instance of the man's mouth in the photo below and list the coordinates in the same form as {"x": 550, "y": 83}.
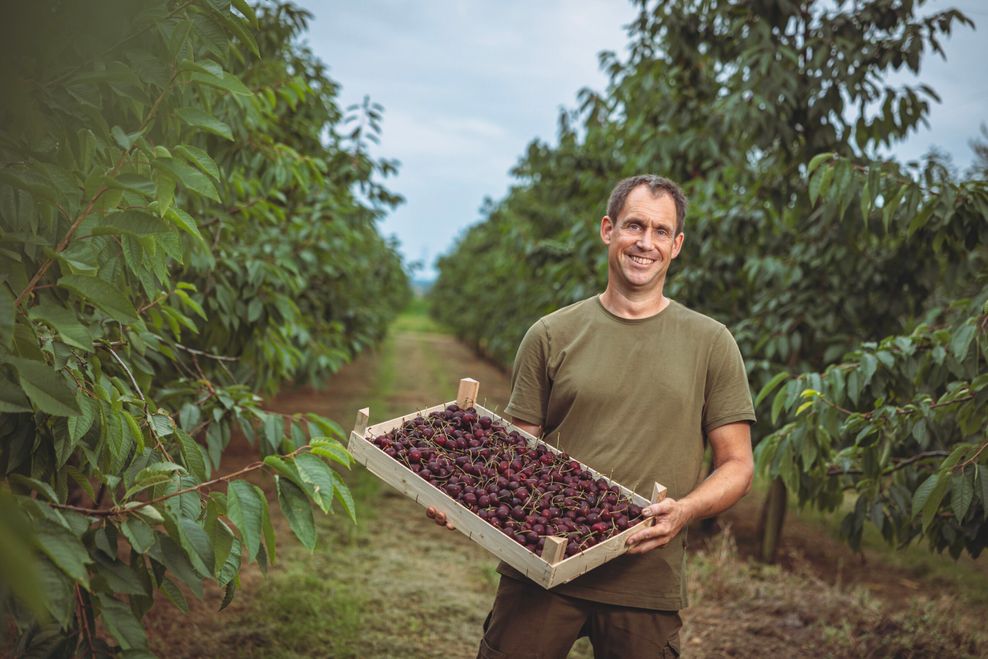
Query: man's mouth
{"x": 640, "y": 260}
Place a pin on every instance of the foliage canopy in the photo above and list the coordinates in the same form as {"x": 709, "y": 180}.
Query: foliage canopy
{"x": 187, "y": 221}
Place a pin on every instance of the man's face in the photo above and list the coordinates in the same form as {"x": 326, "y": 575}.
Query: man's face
{"x": 641, "y": 241}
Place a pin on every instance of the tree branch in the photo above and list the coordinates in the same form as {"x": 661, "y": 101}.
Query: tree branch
{"x": 117, "y": 510}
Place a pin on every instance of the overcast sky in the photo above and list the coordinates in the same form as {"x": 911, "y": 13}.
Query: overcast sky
{"x": 467, "y": 84}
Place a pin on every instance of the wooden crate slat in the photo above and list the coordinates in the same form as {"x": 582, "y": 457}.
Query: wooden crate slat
{"x": 544, "y": 572}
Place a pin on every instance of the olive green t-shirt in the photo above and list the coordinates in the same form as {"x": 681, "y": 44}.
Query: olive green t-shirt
{"x": 633, "y": 399}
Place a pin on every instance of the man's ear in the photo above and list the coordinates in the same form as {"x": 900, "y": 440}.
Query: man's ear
{"x": 606, "y": 227}
{"x": 677, "y": 244}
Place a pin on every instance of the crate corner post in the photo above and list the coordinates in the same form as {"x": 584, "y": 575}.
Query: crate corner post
{"x": 360, "y": 423}
{"x": 466, "y": 396}
{"x": 659, "y": 492}
{"x": 554, "y": 549}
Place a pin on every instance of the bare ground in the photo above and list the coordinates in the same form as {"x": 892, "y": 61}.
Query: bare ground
{"x": 396, "y": 585}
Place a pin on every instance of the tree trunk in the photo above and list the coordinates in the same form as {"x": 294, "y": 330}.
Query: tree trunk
{"x": 771, "y": 521}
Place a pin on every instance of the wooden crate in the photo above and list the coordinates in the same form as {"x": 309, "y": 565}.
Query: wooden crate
{"x": 550, "y": 569}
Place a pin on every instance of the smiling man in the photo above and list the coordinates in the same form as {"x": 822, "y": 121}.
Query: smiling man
{"x": 635, "y": 385}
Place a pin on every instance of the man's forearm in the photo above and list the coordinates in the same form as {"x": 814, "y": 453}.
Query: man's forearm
{"x": 723, "y": 488}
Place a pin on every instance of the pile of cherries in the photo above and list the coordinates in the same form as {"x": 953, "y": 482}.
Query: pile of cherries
{"x": 526, "y": 492}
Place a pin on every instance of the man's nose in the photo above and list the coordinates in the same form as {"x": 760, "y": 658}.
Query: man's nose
{"x": 645, "y": 241}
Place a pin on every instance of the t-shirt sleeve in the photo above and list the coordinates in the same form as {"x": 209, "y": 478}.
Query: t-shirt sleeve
{"x": 530, "y": 378}
{"x": 727, "y": 396}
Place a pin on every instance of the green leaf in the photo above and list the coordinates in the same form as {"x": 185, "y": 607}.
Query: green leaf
{"x": 982, "y": 475}
{"x": 122, "y": 139}
{"x": 932, "y": 504}
{"x": 770, "y": 386}
{"x": 184, "y": 221}
{"x": 777, "y": 404}
{"x": 174, "y": 595}
{"x": 108, "y": 298}
{"x": 190, "y": 177}
{"x": 818, "y": 160}
{"x": 295, "y": 506}
{"x": 197, "y": 544}
{"x": 122, "y": 623}
{"x": 315, "y": 472}
{"x": 135, "y": 430}
{"x": 64, "y": 549}
{"x": 869, "y": 364}
{"x": 138, "y": 533}
{"x": 237, "y": 27}
{"x": 120, "y": 577}
{"x": 132, "y": 223}
{"x": 200, "y": 159}
{"x": 231, "y": 589}
{"x": 222, "y": 539}
{"x": 961, "y": 339}
{"x": 342, "y": 493}
{"x": 7, "y": 317}
{"x": 267, "y": 528}
{"x": 922, "y": 493}
{"x": 197, "y": 118}
{"x": 244, "y": 8}
{"x": 286, "y": 469}
{"x": 159, "y": 472}
{"x": 47, "y": 389}
{"x": 170, "y": 554}
{"x": 191, "y": 455}
{"x": 117, "y": 443}
{"x": 244, "y": 509}
{"x": 36, "y": 485}
{"x": 225, "y": 81}
{"x": 961, "y": 494}
{"x": 332, "y": 450}
{"x": 57, "y": 589}
{"x": 12, "y": 398}
{"x": 65, "y": 322}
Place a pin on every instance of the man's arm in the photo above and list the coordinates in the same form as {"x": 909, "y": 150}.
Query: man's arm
{"x": 727, "y": 483}
{"x": 531, "y": 428}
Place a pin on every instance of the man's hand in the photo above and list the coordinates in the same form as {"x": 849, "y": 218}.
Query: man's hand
{"x": 729, "y": 481}
{"x": 439, "y": 517}
{"x": 670, "y": 518}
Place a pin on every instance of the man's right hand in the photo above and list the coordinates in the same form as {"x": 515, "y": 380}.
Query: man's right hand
{"x": 439, "y": 517}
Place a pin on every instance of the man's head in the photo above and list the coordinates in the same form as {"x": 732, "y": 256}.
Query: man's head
{"x": 658, "y": 186}
{"x": 643, "y": 231}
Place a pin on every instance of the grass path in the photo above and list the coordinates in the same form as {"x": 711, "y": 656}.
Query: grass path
{"x": 396, "y": 585}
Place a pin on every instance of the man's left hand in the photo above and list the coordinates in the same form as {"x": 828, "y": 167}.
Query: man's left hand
{"x": 670, "y": 518}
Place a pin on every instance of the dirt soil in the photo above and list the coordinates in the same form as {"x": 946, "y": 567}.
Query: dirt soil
{"x": 399, "y": 586}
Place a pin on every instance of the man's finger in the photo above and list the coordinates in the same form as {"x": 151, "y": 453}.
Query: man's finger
{"x": 430, "y": 512}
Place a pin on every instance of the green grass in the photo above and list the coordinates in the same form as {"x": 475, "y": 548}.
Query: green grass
{"x": 416, "y": 318}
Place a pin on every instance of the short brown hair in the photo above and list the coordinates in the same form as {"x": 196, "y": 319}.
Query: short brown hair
{"x": 657, "y": 185}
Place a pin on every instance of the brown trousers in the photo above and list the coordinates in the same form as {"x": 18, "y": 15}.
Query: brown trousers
{"x": 529, "y": 622}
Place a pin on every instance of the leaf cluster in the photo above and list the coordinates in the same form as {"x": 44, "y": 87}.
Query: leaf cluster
{"x": 186, "y": 223}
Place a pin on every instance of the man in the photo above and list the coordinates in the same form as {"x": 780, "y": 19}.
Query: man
{"x": 632, "y": 384}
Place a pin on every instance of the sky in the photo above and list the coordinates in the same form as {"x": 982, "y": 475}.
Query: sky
{"x": 466, "y": 85}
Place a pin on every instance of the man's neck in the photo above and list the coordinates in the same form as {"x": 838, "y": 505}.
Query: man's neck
{"x": 633, "y": 307}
